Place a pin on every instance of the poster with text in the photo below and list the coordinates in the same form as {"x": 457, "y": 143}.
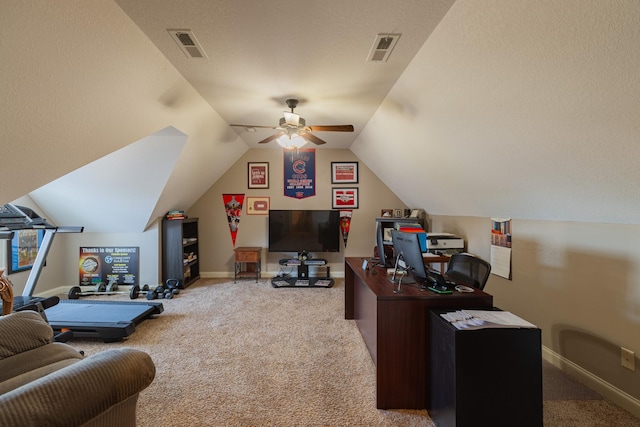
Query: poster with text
{"x": 300, "y": 173}
{"x": 109, "y": 265}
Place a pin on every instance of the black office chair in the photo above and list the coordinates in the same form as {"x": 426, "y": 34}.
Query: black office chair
{"x": 468, "y": 270}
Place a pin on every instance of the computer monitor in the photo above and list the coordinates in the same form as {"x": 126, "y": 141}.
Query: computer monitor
{"x": 407, "y": 248}
{"x": 408, "y": 254}
{"x": 384, "y": 260}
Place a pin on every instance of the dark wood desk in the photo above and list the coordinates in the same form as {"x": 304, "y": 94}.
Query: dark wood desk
{"x": 396, "y": 330}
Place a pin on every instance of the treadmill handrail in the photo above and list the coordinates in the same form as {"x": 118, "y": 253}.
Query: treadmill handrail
{"x": 41, "y": 257}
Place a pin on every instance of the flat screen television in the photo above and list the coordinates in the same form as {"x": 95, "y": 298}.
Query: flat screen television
{"x": 304, "y": 231}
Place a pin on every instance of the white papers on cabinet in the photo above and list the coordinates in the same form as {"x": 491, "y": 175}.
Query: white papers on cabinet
{"x": 479, "y": 319}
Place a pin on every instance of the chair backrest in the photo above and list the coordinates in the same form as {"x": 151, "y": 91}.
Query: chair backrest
{"x": 469, "y": 270}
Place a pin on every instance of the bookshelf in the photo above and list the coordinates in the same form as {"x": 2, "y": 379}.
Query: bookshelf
{"x": 180, "y": 252}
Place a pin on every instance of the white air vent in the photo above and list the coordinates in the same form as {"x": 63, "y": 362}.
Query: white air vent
{"x": 382, "y": 47}
{"x": 188, "y": 43}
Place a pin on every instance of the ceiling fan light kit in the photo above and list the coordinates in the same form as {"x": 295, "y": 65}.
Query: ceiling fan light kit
{"x": 293, "y": 130}
{"x": 294, "y": 141}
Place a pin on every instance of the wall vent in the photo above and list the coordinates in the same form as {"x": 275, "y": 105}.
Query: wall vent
{"x": 382, "y": 47}
{"x": 187, "y": 41}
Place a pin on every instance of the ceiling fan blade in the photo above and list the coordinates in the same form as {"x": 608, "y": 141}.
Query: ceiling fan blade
{"x": 256, "y": 126}
{"x": 332, "y": 128}
{"x": 270, "y": 138}
{"x": 312, "y": 138}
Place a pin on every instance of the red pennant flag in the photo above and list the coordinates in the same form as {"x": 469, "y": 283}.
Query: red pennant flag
{"x": 233, "y": 207}
{"x": 345, "y": 224}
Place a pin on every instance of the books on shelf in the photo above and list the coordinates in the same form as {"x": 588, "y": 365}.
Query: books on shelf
{"x": 409, "y": 227}
{"x": 176, "y": 214}
{"x": 481, "y": 319}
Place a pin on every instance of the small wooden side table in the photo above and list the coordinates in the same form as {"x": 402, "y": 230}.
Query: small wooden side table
{"x": 247, "y": 262}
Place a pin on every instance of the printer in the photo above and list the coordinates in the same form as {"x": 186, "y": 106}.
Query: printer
{"x": 445, "y": 243}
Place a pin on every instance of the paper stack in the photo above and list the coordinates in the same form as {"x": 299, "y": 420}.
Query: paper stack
{"x": 480, "y": 319}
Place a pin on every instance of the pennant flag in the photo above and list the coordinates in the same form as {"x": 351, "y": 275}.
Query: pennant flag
{"x": 233, "y": 207}
{"x": 345, "y": 224}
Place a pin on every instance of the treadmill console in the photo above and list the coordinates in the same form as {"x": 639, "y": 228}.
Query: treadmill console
{"x": 18, "y": 217}
{"x": 12, "y": 216}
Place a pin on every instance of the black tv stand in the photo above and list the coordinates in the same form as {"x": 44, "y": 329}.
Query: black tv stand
{"x": 302, "y": 280}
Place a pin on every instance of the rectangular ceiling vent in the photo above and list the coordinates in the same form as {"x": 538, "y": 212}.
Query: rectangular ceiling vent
{"x": 382, "y": 47}
{"x": 188, "y": 43}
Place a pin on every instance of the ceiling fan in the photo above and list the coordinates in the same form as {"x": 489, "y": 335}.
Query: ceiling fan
{"x": 294, "y": 131}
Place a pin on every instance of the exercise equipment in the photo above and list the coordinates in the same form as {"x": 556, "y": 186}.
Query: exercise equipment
{"x": 100, "y": 289}
{"x": 151, "y": 294}
{"x": 109, "y": 320}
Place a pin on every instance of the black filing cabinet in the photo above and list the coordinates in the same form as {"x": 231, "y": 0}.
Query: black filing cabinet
{"x": 484, "y": 377}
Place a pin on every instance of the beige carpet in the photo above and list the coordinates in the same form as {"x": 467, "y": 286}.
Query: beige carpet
{"x": 247, "y": 354}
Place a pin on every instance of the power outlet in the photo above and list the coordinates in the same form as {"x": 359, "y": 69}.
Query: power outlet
{"x": 628, "y": 359}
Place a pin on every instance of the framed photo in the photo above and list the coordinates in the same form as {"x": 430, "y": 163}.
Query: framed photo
{"x": 344, "y": 198}
{"x": 397, "y": 213}
{"x": 386, "y": 213}
{"x": 258, "y": 176}
{"x": 257, "y": 205}
{"x": 344, "y": 172}
{"x": 23, "y": 249}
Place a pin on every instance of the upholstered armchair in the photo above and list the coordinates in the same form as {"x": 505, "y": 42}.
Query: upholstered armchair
{"x": 47, "y": 383}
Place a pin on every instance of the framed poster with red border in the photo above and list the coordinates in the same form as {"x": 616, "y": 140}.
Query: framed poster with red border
{"x": 344, "y": 198}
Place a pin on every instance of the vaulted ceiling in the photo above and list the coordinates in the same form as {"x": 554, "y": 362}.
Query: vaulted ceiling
{"x": 526, "y": 109}
{"x": 255, "y": 56}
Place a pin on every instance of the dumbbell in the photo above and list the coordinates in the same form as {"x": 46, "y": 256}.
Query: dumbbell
{"x": 136, "y": 290}
{"x": 151, "y": 294}
{"x": 165, "y": 292}
{"x": 100, "y": 289}
{"x": 173, "y": 285}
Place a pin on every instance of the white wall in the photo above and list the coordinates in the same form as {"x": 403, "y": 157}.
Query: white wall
{"x": 517, "y": 108}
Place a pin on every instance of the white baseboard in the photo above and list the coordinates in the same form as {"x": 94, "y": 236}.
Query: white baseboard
{"x": 264, "y": 274}
{"x": 608, "y": 391}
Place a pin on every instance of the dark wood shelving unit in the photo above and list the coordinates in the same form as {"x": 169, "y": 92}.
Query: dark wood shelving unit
{"x": 180, "y": 253}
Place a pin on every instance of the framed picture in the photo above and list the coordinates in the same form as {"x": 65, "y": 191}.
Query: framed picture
{"x": 258, "y": 176}
{"x": 257, "y": 205}
{"x": 386, "y": 213}
{"x": 344, "y": 198}
{"x": 23, "y": 249}
{"x": 397, "y": 213}
{"x": 344, "y": 172}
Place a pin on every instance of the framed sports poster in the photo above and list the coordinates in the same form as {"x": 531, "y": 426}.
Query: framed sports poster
{"x": 258, "y": 175}
{"x": 344, "y": 172}
{"x": 23, "y": 249}
{"x": 344, "y": 198}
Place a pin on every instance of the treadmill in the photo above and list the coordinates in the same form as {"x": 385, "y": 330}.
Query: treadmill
{"x": 110, "y": 320}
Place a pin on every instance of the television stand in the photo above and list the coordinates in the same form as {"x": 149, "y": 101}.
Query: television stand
{"x": 302, "y": 280}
